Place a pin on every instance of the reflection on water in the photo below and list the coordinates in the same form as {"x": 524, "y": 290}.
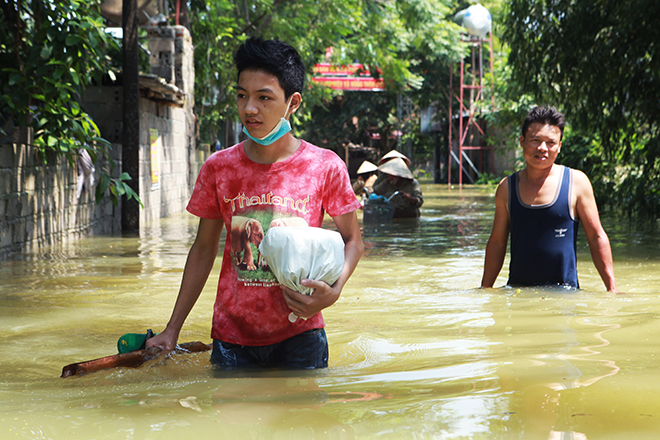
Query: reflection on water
{"x": 417, "y": 350}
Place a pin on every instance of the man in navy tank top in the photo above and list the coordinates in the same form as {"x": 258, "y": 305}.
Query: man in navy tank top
{"x": 541, "y": 207}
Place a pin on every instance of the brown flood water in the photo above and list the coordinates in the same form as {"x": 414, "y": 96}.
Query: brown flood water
{"x": 416, "y": 349}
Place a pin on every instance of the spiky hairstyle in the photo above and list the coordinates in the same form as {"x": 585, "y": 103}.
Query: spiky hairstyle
{"x": 274, "y": 57}
{"x": 546, "y": 116}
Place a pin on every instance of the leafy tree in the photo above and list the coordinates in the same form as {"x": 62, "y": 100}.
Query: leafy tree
{"x": 597, "y": 60}
{"x": 412, "y": 48}
{"x": 50, "y": 51}
{"x": 400, "y": 40}
{"x": 219, "y": 27}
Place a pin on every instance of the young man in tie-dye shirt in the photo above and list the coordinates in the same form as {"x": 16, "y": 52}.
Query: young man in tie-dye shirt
{"x": 271, "y": 179}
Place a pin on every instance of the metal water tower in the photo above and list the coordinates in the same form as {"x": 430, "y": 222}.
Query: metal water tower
{"x": 467, "y": 128}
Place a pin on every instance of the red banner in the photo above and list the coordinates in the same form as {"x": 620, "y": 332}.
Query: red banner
{"x": 329, "y": 69}
{"x": 340, "y": 78}
{"x": 364, "y": 84}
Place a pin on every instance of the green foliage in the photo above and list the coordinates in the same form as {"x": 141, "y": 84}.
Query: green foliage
{"x": 421, "y": 174}
{"x": 117, "y": 187}
{"x": 219, "y": 27}
{"x": 332, "y": 124}
{"x": 488, "y": 179}
{"x": 412, "y": 51}
{"x": 596, "y": 60}
{"x": 405, "y": 41}
{"x": 49, "y": 52}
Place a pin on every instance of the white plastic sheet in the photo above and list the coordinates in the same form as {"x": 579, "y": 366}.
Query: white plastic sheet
{"x": 294, "y": 254}
{"x": 298, "y": 253}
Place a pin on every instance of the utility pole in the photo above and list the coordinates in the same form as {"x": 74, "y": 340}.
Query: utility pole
{"x": 130, "y": 213}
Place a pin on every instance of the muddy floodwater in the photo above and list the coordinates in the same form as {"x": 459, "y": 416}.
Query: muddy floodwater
{"x": 417, "y": 350}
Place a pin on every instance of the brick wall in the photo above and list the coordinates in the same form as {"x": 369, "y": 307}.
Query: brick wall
{"x": 38, "y": 203}
{"x": 172, "y": 154}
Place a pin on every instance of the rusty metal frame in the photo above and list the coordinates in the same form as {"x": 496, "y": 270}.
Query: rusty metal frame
{"x": 468, "y": 108}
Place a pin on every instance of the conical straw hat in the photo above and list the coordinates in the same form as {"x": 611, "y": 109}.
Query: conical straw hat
{"x": 367, "y": 167}
{"x": 391, "y": 155}
{"x": 396, "y": 167}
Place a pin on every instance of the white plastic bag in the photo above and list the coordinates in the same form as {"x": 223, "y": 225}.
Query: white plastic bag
{"x": 298, "y": 253}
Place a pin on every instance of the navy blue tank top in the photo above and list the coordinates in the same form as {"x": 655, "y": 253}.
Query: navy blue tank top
{"x": 543, "y": 238}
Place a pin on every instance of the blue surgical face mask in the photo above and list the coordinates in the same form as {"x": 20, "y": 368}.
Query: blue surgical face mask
{"x": 282, "y": 128}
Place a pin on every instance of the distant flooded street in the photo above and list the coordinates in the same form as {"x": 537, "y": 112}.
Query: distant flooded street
{"x": 417, "y": 350}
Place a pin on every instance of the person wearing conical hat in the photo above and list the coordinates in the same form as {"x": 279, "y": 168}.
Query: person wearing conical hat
{"x": 391, "y": 155}
{"x": 386, "y": 158}
{"x": 366, "y": 177}
{"x": 399, "y": 178}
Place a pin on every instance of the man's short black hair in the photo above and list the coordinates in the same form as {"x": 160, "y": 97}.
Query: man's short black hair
{"x": 274, "y": 57}
{"x": 546, "y": 116}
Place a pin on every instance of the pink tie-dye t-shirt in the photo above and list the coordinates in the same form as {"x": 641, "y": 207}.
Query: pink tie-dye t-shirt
{"x": 251, "y": 198}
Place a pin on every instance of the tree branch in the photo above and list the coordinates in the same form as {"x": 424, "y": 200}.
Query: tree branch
{"x": 253, "y": 24}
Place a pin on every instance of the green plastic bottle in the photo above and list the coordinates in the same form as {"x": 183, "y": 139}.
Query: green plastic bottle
{"x": 134, "y": 341}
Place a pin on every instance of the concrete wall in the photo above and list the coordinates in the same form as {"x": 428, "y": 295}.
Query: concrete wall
{"x": 167, "y": 144}
{"x": 172, "y": 145}
{"x": 171, "y": 150}
{"x": 167, "y": 131}
{"x": 38, "y": 203}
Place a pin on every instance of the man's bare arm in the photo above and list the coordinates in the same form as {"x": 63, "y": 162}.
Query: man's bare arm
{"x": 599, "y": 243}
{"x": 198, "y": 266}
{"x": 499, "y": 236}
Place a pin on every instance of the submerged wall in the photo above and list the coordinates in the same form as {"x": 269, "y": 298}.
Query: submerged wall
{"x": 38, "y": 203}
{"x": 167, "y": 150}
